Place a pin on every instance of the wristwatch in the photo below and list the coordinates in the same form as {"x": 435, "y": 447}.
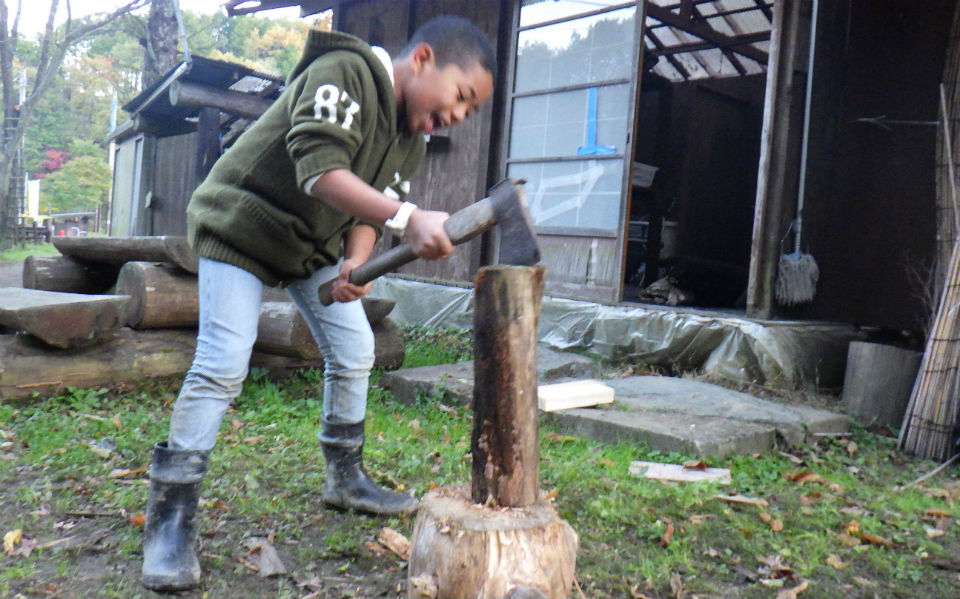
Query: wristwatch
{"x": 398, "y": 224}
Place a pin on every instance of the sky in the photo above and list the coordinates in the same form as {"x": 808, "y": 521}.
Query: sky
{"x": 33, "y": 17}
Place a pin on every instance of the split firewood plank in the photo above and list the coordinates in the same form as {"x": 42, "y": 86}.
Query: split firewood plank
{"x": 118, "y": 250}
{"x": 27, "y": 367}
{"x": 69, "y": 275}
{"x": 573, "y": 394}
{"x": 678, "y": 472}
{"x": 63, "y": 320}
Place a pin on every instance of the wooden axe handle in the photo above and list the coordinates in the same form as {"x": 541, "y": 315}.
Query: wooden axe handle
{"x": 462, "y": 226}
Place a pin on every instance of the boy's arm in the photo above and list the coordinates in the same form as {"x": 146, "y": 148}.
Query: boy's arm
{"x": 359, "y": 243}
{"x": 347, "y": 192}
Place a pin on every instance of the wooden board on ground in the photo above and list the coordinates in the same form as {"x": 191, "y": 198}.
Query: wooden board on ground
{"x": 679, "y": 472}
{"x": 574, "y": 394}
{"x": 118, "y": 250}
{"x": 27, "y": 367}
{"x": 63, "y": 320}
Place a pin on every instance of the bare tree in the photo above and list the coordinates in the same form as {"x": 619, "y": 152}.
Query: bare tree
{"x": 54, "y": 46}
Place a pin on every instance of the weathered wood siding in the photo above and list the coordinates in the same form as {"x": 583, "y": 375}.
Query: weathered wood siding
{"x": 870, "y": 213}
{"x": 173, "y": 182}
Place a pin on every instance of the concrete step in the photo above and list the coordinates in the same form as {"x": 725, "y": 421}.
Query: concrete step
{"x": 667, "y": 413}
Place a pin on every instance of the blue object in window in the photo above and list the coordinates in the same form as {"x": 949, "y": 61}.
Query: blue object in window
{"x": 592, "y": 149}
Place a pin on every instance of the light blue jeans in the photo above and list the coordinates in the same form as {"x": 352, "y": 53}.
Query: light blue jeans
{"x": 230, "y": 300}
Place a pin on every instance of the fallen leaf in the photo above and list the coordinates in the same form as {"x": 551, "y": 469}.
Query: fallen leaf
{"x": 236, "y": 425}
{"x": 864, "y": 582}
{"x": 836, "y": 563}
{"x": 852, "y": 448}
{"x": 676, "y": 585}
{"x": 848, "y": 540}
{"x": 636, "y": 593}
{"x": 695, "y": 465}
{"x": 774, "y": 568}
{"x": 877, "y": 540}
{"x": 11, "y": 539}
{"x": 117, "y": 422}
{"x": 803, "y": 476}
{"x": 933, "y": 513}
{"x": 120, "y": 473}
{"x": 743, "y": 499}
{"x": 262, "y": 557}
{"x": 668, "y": 534}
{"x": 775, "y": 523}
{"x": 793, "y": 592}
{"x": 852, "y": 528}
{"x": 606, "y": 462}
{"x": 793, "y": 458}
{"x": 699, "y": 518}
{"x": 138, "y": 519}
{"x": 933, "y": 533}
{"x": 415, "y": 425}
{"x": 395, "y": 542}
{"x": 254, "y": 440}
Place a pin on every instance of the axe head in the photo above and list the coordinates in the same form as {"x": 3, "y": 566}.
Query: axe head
{"x": 518, "y": 239}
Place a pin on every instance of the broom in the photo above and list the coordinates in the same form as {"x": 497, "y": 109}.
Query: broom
{"x": 797, "y": 273}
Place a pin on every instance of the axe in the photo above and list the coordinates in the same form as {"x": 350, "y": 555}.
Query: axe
{"x": 505, "y": 206}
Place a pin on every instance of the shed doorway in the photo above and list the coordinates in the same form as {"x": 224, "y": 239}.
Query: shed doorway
{"x": 696, "y": 153}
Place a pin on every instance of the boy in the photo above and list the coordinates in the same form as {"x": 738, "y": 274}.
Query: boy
{"x": 298, "y": 190}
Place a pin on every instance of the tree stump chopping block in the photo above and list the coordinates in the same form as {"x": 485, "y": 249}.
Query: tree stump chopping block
{"x": 464, "y": 550}
{"x": 63, "y": 320}
{"x": 497, "y": 537}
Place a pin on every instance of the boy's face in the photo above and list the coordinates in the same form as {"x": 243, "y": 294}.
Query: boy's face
{"x": 439, "y": 97}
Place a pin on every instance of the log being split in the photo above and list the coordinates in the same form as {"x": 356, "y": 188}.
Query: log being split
{"x": 497, "y": 537}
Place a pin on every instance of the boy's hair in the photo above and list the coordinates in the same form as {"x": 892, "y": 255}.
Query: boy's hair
{"x": 454, "y": 40}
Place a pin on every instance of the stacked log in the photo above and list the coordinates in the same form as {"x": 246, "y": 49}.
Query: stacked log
{"x": 114, "y": 310}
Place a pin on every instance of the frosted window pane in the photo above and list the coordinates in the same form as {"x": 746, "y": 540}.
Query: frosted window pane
{"x": 538, "y": 11}
{"x": 573, "y": 194}
{"x": 575, "y": 52}
{"x": 558, "y": 124}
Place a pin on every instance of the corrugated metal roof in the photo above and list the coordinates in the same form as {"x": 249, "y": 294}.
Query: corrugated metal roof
{"x": 698, "y": 39}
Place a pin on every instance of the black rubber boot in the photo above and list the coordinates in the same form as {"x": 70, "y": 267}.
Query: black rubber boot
{"x": 348, "y": 486}
{"x": 169, "y": 557}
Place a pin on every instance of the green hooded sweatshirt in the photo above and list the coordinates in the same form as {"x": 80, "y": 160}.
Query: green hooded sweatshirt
{"x": 338, "y": 111}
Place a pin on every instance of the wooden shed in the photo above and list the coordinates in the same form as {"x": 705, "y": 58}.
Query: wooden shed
{"x": 667, "y": 137}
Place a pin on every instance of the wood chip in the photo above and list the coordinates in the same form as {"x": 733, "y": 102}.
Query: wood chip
{"x": 395, "y": 542}
{"x": 263, "y": 557}
{"x": 743, "y": 499}
{"x": 678, "y": 472}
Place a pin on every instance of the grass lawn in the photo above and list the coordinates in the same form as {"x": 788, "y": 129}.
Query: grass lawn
{"x": 20, "y": 253}
{"x": 828, "y": 520}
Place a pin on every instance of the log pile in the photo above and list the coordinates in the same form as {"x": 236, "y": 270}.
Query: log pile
{"x": 116, "y": 310}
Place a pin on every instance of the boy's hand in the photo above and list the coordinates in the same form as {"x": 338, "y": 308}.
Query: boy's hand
{"x": 343, "y": 289}
{"x": 426, "y": 235}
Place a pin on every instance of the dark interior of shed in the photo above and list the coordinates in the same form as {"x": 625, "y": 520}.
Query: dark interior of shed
{"x": 696, "y": 154}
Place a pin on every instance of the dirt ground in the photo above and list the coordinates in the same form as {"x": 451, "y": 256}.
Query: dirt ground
{"x": 11, "y": 274}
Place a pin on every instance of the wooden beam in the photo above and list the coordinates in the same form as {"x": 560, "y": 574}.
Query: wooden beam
{"x": 705, "y": 32}
{"x": 195, "y": 95}
{"x": 779, "y": 156}
{"x": 63, "y": 320}
{"x": 119, "y": 250}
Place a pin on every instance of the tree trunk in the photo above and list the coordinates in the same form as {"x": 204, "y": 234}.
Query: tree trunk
{"x": 505, "y": 443}
{"x": 160, "y": 47}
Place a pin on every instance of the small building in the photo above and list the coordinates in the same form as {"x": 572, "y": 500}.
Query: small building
{"x": 673, "y": 137}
